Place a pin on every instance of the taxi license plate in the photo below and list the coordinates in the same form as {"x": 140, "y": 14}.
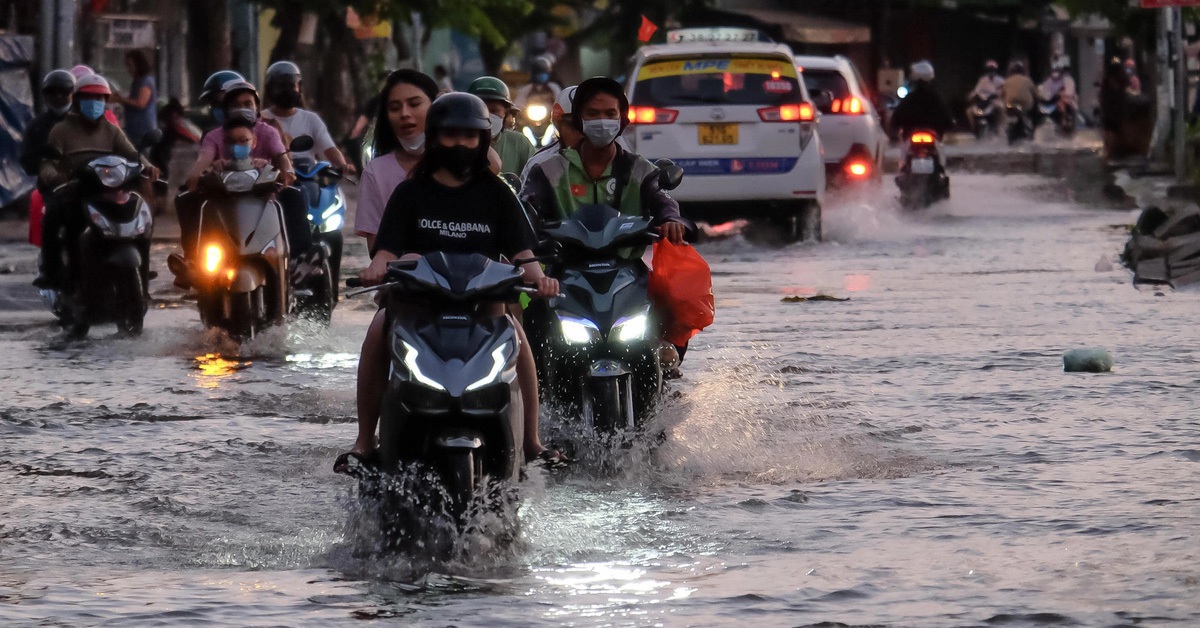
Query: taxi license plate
{"x": 718, "y": 134}
{"x": 922, "y": 165}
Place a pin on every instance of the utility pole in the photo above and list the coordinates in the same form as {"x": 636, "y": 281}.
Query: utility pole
{"x": 1181, "y": 97}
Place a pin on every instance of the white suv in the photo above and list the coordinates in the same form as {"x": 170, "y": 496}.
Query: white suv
{"x": 851, "y": 132}
{"x": 735, "y": 116}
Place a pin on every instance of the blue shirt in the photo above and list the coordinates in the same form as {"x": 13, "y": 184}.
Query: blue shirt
{"x": 141, "y": 120}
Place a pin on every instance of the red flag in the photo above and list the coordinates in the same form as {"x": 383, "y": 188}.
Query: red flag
{"x": 646, "y": 30}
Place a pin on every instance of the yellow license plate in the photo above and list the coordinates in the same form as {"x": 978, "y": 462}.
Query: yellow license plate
{"x": 718, "y": 134}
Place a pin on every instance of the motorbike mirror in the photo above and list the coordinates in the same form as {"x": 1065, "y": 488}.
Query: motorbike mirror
{"x": 301, "y": 143}
{"x": 512, "y": 179}
{"x": 150, "y": 139}
{"x": 669, "y": 175}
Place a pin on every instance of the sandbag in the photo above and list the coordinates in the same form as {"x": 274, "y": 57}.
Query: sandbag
{"x": 681, "y": 291}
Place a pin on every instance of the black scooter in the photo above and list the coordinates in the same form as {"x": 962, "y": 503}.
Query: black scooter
{"x": 316, "y": 289}
{"x": 452, "y": 409}
{"x": 598, "y": 344}
{"x": 1020, "y": 123}
{"x": 922, "y": 179}
{"x": 108, "y": 282}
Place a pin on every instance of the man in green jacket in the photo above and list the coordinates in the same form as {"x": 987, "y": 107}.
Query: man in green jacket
{"x": 513, "y": 148}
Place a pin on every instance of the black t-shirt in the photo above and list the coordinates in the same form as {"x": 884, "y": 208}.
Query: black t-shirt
{"x": 482, "y": 216}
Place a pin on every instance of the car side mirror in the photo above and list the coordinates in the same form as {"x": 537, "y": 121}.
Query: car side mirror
{"x": 823, "y": 99}
{"x": 669, "y": 175}
{"x": 301, "y": 143}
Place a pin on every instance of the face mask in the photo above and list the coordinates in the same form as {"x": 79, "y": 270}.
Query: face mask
{"x": 542, "y": 77}
{"x": 286, "y": 98}
{"x": 240, "y": 151}
{"x": 601, "y": 133}
{"x": 218, "y": 114}
{"x": 416, "y": 145}
{"x": 244, "y": 113}
{"x": 459, "y": 160}
{"x": 91, "y": 109}
{"x": 497, "y": 124}
{"x": 60, "y": 111}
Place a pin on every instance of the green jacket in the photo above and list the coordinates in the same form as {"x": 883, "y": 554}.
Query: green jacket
{"x": 557, "y": 187}
{"x": 514, "y": 151}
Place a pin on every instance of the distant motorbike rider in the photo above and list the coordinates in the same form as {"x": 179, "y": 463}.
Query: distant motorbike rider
{"x": 284, "y": 97}
{"x": 83, "y": 135}
{"x": 56, "y": 95}
{"x": 564, "y": 125}
{"x": 922, "y": 108}
{"x": 990, "y": 83}
{"x": 1060, "y": 88}
{"x": 513, "y": 148}
{"x": 539, "y": 87}
{"x": 213, "y": 94}
{"x": 1018, "y": 89}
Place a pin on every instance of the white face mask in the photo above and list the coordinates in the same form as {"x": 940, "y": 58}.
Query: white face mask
{"x": 416, "y": 145}
{"x": 601, "y": 133}
{"x": 497, "y": 125}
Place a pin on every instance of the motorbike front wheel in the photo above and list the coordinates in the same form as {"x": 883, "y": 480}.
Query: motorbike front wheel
{"x": 132, "y": 320}
{"x": 459, "y": 476}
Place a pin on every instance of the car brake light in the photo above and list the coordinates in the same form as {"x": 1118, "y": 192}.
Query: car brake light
{"x": 922, "y": 138}
{"x": 651, "y": 115}
{"x": 802, "y": 112}
{"x": 858, "y": 169}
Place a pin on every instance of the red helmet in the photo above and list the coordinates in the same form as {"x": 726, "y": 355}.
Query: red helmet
{"x": 93, "y": 84}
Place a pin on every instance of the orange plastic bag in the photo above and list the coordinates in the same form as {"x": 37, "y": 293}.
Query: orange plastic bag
{"x": 681, "y": 291}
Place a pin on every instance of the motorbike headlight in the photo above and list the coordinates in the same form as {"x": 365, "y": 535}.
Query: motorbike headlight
{"x": 410, "y": 360}
{"x": 102, "y": 223}
{"x": 631, "y": 328}
{"x": 332, "y": 223}
{"x": 499, "y": 359}
{"x": 240, "y": 181}
{"x": 111, "y": 176}
{"x": 536, "y": 113}
{"x": 578, "y": 331}
{"x": 212, "y": 258}
{"x": 332, "y": 217}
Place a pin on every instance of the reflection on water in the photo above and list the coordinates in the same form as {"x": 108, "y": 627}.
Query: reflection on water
{"x": 213, "y": 368}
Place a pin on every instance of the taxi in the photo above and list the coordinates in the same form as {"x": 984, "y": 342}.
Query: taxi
{"x": 735, "y": 114}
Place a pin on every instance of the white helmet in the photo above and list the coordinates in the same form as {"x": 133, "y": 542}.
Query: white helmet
{"x": 922, "y": 71}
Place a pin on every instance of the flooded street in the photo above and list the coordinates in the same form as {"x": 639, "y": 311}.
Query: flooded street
{"x": 914, "y": 455}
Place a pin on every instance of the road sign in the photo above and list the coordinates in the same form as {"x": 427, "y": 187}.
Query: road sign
{"x": 1163, "y": 4}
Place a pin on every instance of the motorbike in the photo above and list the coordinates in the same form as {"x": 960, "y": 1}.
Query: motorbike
{"x": 537, "y": 126}
{"x": 110, "y": 272}
{"x": 1064, "y": 119}
{"x": 1020, "y": 124}
{"x": 452, "y": 408}
{"x": 240, "y": 266}
{"x": 922, "y": 180}
{"x": 984, "y": 114}
{"x": 598, "y": 344}
{"x": 316, "y": 292}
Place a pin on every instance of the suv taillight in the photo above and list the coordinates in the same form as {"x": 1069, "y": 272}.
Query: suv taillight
{"x": 849, "y": 106}
{"x": 802, "y": 112}
{"x": 651, "y": 115}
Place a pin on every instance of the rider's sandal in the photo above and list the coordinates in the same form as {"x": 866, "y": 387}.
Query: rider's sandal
{"x": 343, "y": 465}
{"x": 552, "y": 459}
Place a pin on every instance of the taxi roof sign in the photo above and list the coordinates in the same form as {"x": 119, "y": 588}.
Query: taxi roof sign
{"x": 716, "y": 34}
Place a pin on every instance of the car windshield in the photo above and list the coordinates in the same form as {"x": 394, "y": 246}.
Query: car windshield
{"x": 711, "y": 81}
{"x": 831, "y": 83}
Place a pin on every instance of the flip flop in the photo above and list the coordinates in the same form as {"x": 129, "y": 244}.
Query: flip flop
{"x": 342, "y": 464}
{"x": 552, "y": 459}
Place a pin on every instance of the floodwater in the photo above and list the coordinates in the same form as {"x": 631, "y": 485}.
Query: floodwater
{"x": 912, "y": 456}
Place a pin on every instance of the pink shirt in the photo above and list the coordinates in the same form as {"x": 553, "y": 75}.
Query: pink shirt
{"x": 379, "y": 179}
{"x": 267, "y": 142}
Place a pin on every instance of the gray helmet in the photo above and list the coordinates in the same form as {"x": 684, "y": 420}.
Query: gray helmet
{"x": 59, "y": 79}
{"x": 282, "y": 70}
{"x": 236, "y": 86}
{"x": 457, "y": 110}
{"x": 922, "y": 71}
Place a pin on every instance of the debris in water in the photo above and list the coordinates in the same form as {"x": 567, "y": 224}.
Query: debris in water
{"x": 1094, "y": 360}
{"x": 1104, "y": 266}
{"x": 815, "y": 297}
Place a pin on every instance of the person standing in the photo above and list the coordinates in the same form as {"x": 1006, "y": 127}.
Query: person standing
{"x": 141, "y": 112}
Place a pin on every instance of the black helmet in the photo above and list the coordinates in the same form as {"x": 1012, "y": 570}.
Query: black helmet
{"x": 214, "y": 83}
{"x": 598, "y": 85}
{"x": 282, "y": 70}
{"x": 59, "y": 79}
{"x": 457, "y": 110}
{"x": 540, "y": 64}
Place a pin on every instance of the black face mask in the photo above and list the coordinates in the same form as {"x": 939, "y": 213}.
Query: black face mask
{"x": 286, "y": 98}
{"x": 459, "y": 160}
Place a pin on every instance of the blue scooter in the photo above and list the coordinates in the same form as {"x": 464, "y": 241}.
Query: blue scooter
{"x": 318, "y": 182}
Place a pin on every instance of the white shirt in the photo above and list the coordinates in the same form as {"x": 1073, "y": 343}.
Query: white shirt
{"x": 305, "y": 122}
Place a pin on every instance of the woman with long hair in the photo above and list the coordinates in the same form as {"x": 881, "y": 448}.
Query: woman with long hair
{"x": 141, "y": 112}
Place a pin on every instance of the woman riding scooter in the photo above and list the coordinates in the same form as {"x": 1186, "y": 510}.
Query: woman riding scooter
{"x": 452, "y": 203}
